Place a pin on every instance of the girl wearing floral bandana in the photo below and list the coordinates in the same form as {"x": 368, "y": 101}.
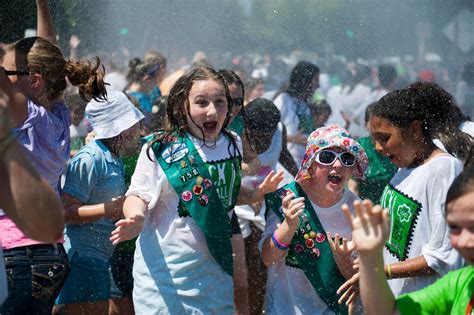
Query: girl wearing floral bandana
{"x": 305, "y": 266}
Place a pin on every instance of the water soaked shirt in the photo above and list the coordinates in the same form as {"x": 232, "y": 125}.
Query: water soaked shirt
{"x": 93, "y": 176}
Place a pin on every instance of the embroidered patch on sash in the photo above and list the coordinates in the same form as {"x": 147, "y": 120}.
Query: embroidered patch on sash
{"x": 175, "y": 152}
{"x": 403, "y": 212}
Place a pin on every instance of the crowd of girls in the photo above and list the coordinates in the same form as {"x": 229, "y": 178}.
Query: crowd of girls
{"x": 230, "y": 202}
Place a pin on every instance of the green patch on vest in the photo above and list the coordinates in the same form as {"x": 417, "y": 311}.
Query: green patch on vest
{"x": 403, "y": 212}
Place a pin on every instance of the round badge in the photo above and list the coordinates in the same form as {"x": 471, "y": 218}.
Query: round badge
{"x": 197, "y": 190}
{"x": 309, "y": 243}
{"x": 203, "y": 200}
{"x": 320, "y": 237}
{"x": 183, "y": 164}
{"x": 312, "y": 234}
{"x": 186, "y": 196}
{"x": 315, "y": 253}
{"x": 306, "y": 236}
{"x": 199, "y": 180}
{"x": 207, "y": 183}
{"x": 299, "y": 248}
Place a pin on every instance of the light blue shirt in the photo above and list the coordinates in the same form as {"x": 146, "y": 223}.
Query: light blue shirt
{"x": 93, "y": 176}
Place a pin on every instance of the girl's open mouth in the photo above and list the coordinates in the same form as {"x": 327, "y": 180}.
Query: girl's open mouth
{"x": 335, "y": 179}
{"x": 210, "y": 127}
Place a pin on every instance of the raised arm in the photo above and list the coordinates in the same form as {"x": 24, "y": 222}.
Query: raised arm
{"x": 21, "y": 187}
{"x": 370, "y": 228}
{"x": 45, "y": 26}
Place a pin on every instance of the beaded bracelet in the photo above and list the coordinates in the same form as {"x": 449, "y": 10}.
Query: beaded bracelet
{"x": 279, "y": 244}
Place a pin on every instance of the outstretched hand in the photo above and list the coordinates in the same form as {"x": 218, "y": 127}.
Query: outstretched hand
{"x": 342, "y": 252}
{"x": 270, "y": 183}
{"x": 370, "y": 226}
{"x": 128, "y": 228}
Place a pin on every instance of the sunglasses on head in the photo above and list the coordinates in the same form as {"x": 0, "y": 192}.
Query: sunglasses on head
{"x": 327, "y": 157}
{"x": 238, "y": 101}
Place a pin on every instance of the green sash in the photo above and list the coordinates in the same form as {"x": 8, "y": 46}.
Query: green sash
{"x": 403, "y": 212}
{"x": 309, "y": 249}
{"x": 192, "y": 181}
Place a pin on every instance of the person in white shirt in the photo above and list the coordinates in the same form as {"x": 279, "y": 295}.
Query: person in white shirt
{"x": 403, "y": 125}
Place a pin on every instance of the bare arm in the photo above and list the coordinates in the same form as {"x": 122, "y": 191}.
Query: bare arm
{"x": 370, "y": 228}
{"x": 12, "y": 100}
{"x": 292, "y": 209}
{"x": 134, "y": 212}
{"x": 21, "y": 187}
{"x": 45, "y": 26}
{"x": 75, "y": 212}
{"x": 413, "y": 267}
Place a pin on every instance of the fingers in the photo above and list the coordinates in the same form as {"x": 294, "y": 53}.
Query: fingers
{"x": 353, "y": 296}
{"x": 354, "y": 280}
{"x": 346, "y": 295}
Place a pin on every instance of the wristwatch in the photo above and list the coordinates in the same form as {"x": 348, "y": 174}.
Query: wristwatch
{"x": 7, "y": 141}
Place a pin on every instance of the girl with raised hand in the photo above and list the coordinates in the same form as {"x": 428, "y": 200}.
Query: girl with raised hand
{"x": 403, "y": 125}
{"x": 33, "y": 75}
{"x": 182, "y": 195}
{"x": 452, "y": 294}
{"x": 305, "y": 266}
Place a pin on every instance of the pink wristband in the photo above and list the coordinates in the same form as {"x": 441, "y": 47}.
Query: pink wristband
{"x": 279, "y": 244}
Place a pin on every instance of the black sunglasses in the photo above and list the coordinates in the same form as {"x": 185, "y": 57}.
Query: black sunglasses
{"x": 11, "y": 72}
{"x": 238, "y": 101}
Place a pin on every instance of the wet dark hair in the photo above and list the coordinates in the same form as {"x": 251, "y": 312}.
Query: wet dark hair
{"x": 262, "y": 116}
{"x": 462, "y": 185}
{"x": 178, "y": 107}
{"x": 386, "y": 75}
{"x": 434, "y": 107}
{"x": 300, "y": 79}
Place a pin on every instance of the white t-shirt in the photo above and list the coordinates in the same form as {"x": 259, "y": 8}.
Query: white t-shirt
{"x": 288, "y": 289}
{"x": 173, "y": 270}
{"x": 268, "y": 162}
{"x": 426, "y": 187}
{"x": 288, "y": 107}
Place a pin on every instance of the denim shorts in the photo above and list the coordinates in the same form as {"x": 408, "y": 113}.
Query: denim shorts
{"x": 35, "y": 274}
{"x": 88, "y": 281}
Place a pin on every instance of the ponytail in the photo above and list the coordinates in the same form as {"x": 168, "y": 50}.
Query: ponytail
{"x": 87, "y": 77}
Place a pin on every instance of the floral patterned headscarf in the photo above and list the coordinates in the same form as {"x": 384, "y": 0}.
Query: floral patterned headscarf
{"x": 332, "y": 137}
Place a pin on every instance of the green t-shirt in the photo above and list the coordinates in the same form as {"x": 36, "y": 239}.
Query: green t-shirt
{"x": 377, "y": 175}
{"x": 449, "y": 295}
